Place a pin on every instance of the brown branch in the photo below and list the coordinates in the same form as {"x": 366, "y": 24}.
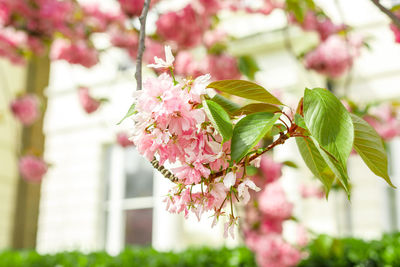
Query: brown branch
{"x": 142, "y": 38}
{"x": 282, "y": 138}
{"x": 390, "y": 14}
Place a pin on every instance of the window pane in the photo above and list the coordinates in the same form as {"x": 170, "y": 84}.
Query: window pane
{"x": 139, "y": 175}
{"x": 138, "y": 227}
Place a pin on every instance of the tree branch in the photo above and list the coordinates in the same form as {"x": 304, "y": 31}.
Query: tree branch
{"x": 142, "y": 38}
{"x": 390, "y": 14}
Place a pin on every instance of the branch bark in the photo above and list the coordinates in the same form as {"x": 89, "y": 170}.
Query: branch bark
{"x": 390, "y": 14}
{"x": 142, "y": 46}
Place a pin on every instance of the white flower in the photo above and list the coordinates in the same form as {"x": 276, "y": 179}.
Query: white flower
{"x": 200, "y": 84}
{"x": 160, "y": 63}
{"x": 243, "y": 189}
{"x": 229, "y": 227}
{"x": 229, "y": 179}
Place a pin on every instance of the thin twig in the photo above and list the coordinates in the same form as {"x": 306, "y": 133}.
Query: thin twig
{"x": 390, "y": 14}
{"x": 142, "y": 38}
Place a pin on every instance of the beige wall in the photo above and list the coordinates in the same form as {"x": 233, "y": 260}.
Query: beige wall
{"x": 12, "y": 80}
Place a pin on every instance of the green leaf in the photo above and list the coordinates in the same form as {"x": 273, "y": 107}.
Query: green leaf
{"x": 315, "y": 162}
{"x": 290, "y": 163}
{"x": 251, "y": 170}
{"x": 228, "y": 105}
{"x": 277, "y": 129}
{"x": 249, "y": 131}
{"x": 246, "y": 90}
{"x": 248, "y": 66}
{"x": 369, "y": 145}
{"x": 257, "y": 107}
{"x": 337, "y": 167}
{"x": 130, "y": 112}
{"x": 329, "y": 123}
{"x": 299, "y": 121}
{"x": 219, "y": 118}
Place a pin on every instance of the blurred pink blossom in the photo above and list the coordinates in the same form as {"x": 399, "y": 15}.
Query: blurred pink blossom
{"x": 79, "y": 52}
{"x": 333, "y": 57}
{"x": 396, "y": 32}
{"x": 184, "y": 27}
{"x": 133, "y": 8}
{"x": 302, "y": 235}
{"x": 123, "y": 140}
{"x": 187, "y": 66}
{"x": 88, "y": 103}
{"x": 385, "y": 121}
{"x": 272, "y": 251}
{"x": 270, "y": 169}
{"x": 222, "y": 67}
{"x": 395, "y": 29}
{"x": 26, "y": 109}
{"x": 11, "y": 44}
{"x": 319, "y": 23}
{"x": 311, "y": 191}
{"x": 32, "y": 168}
{"x": 213, "y": 37}
{"x": 273, "y": 202}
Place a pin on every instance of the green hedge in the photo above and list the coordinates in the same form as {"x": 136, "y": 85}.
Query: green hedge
{"x": 132, "y": 257}
{"x": 326, "y": 251}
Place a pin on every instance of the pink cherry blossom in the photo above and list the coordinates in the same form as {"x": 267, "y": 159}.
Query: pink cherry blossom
{"x": 273, "y": 202}
{"x": 273, "y": 251}
{"x": 11, "y": 41}
{"x": 385, "y": 121}
{"x": 32, "y": 168}
{"x": 133, "y": 8}
{"x": 79, "y": 52}
{"x": 88, "y": 103}
{"x": 213, "y": 37}
{"x": 319, "y": 23}
{"x": 311, "y": 191}
{"x": 271, "y": 225}
{"x": 186, "y": 65}
{"x": 333, "y": 57}
{"x": 184, "y": 27}
{"x": 395, "y": 29}
{"x": 123, "y": 140}
{"x": 153, "y": 49}
{"x": 302, "y": 235}
{"x": 223, "y": 67}
{"x": 396, "y": 32}
{"x": 270, "y": 169}
{"x": 26, "y": 109}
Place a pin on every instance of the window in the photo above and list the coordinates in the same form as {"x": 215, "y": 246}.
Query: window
{"x": 129, "y": 199}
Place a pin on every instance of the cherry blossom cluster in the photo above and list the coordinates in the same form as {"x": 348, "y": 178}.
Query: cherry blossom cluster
{"x": 26, "y": 108}
{"x": 334, "y": 56}
{"x": 335, "y": 53}
{"x": 264, "y": 219}
{"x": 171, "y": 127}
{"x": 385, "y": 118}
{"x": 30, "y": 26}
{"x": 32, "y": 168}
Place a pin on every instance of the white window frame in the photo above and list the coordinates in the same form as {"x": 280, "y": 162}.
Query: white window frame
{"x": 116, "y": 205}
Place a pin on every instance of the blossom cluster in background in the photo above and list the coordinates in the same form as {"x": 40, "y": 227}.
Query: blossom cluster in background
{"x": 385, "y": 118}
{"x": 264, "y": 219}
{"x": 32, "y": 168}
{"x": 26, "y": 109}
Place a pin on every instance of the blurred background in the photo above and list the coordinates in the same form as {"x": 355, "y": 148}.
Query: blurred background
{"x": 99, "y": 193}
